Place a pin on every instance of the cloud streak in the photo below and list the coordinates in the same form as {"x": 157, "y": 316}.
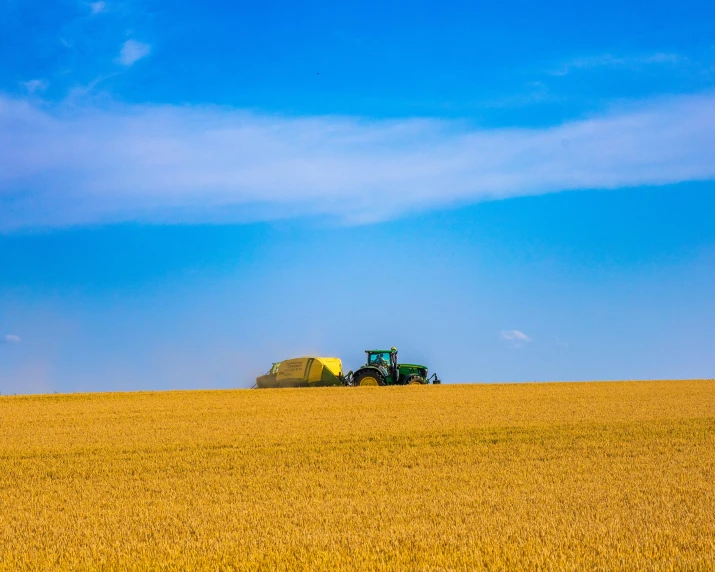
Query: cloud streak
{"x": 514, "y": 336}
{"x": 84, "y": 164}
{"x": 10, "y": 339}
{"x": 34, "y": 85}
{"x": 610, "y": 61}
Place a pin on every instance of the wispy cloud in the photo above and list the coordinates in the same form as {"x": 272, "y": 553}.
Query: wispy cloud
{"x": 98, "y": 7}
{"x": 132, "y": 51}
{"x": 609, "y": 60}
{"x": 77, "y": 164}
{"x": 10, "y": 339}
{"x": 514, "y": 336}
{"x": 34, "y": 85}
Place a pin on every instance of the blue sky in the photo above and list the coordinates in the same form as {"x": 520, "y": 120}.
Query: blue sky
{"x": 509, "y": 192}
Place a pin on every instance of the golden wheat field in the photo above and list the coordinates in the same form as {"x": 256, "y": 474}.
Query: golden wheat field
{"x": 564, "y": 476}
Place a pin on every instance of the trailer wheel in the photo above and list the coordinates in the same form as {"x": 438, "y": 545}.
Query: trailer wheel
{"x": 367, "y": 378}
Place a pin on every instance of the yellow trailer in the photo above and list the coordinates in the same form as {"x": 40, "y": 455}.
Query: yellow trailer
{"x": 308, "y": 371}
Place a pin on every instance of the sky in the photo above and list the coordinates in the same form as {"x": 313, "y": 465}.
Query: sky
{"x": 507, "y": 192}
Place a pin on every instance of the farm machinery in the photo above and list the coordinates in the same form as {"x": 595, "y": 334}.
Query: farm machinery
{"x": 380, "y": 368}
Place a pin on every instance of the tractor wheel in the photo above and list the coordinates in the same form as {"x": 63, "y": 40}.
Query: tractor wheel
{"x": 368, "y": 378}
{"x": 415, "y": 380}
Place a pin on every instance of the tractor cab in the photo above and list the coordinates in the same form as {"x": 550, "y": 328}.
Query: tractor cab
{"x": 381, "y": 368}
{"x": 383, "y": 358}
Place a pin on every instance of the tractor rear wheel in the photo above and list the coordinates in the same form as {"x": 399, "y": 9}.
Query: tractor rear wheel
{"x": 415, "y": 380}
{"x": 367, "y": 378}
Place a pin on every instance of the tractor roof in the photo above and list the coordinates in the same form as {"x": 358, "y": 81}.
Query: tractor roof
{"x": 380, "y": 351}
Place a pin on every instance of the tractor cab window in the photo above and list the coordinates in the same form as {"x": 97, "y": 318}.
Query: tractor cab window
{"x": 379, "y": 359}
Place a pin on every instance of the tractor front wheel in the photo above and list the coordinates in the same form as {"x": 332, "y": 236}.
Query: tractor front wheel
{"x": 415, "y": 380}
{"x": 367, "y": 378}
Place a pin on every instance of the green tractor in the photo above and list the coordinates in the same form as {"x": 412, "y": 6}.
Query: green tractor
{"x": 382, "y": 369}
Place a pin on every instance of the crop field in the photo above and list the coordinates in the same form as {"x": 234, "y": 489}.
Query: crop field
{"x": 568, "y": 476}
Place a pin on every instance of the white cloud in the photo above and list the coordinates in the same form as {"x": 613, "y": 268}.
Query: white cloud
{"x": 98, "y": 7}
{"x": 10, "y": 339}
{"x": 132, "y": 51}
{"x": 608, "y": 60}
{"x": 514, "y": 336}
{"x": 662, "y": 58}
{"x": 79, "y": 164}
{"x": 34, "y": 85}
